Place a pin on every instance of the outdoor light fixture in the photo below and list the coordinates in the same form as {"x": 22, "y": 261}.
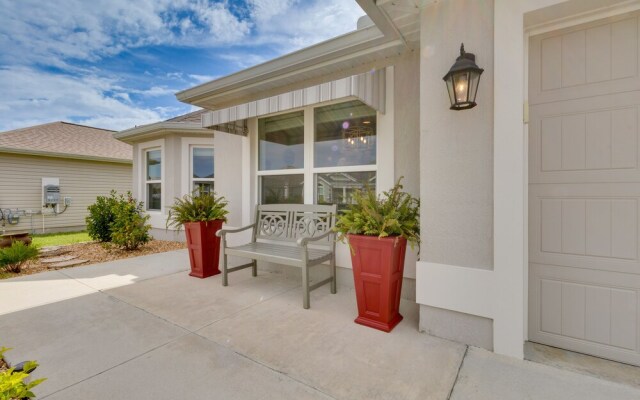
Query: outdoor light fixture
{"x": 462, "y": 81}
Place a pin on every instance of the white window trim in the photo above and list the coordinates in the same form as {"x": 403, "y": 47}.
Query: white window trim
{"x": 142, "y": 174}
{"x": 187, "y": 144}
{"x": 309, "y": 170}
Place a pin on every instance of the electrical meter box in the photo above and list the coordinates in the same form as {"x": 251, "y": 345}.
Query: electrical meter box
{"x": 50, "y": 192}
{"x": 51, "y": 195}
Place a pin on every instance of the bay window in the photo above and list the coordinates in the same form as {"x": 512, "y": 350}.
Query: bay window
{"x": 318, "y": 155}
{"x": 153, "y": 179}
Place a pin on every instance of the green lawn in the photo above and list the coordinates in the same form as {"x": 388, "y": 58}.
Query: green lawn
{"x": 59, "y": 239}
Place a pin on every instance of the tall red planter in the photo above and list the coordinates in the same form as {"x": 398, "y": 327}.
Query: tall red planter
{"x": 204, "y": 247}
{"x": 378, "y": 264}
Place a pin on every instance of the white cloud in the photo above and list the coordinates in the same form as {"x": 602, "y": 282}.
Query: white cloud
{"x": 30, "y": 97}
{"x": 198, "y": 79}
{"x": 294, "y": 24}
{"x": 56, "y": 35}
{"x": 154, "y": 91}
{"x": 53, "y": 32}
{"x": 244, "y": 60}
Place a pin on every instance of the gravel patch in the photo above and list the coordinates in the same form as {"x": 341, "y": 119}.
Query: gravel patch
{"x": 95, "y": 252}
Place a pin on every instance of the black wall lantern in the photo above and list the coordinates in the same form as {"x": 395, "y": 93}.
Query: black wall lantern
{"x": 462, "y": 81}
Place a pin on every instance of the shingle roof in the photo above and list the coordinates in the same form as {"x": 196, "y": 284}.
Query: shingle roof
{"x": 190, "y": 117}
{"x": 66, "y": 139}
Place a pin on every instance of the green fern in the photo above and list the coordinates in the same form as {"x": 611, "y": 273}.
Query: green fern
{"x": 12, "y": 258}
{"x": 394, "y": 213}
{"x": 197, "y": 207}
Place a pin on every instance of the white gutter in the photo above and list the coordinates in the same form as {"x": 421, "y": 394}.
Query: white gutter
{"x": 28, "y": 152}
{"x": 161, "y": 128}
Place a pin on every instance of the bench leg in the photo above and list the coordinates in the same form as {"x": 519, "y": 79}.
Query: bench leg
{"x": 254, "y": 268}
{"x": 334, "y": 288}
{"x": 305, "y": 287}
{"x": 225, "y": 273}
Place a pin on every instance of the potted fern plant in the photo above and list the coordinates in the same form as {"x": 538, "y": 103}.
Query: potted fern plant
{"x": 378, "y": 229}
{"x": 202, "y": 216}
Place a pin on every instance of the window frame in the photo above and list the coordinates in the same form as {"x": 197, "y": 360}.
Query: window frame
{"x": 192, "y": 180}
{"x": 144, "y": 148}
{"x": 309, "y": 170}
{"x": 148, "y": 181}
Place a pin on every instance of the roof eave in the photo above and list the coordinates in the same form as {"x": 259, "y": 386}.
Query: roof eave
{"x": 28, "y": 152}
{"x": 160, "y": 128}
{"x": 320, "y": 53}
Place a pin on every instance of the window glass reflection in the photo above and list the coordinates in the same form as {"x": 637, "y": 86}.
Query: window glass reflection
{"x": 339, "y": 187}
{"x": 281, "y": 142}
{"x": 154, "y": 165}
{"x": 345, "y": 134}
{"x": 154, "y": 196}
{"x": 282, "y": 189}
{"x": 203, "y": 166}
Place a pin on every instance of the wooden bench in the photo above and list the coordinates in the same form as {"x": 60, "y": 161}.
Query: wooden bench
{"x": 282, "y": 234}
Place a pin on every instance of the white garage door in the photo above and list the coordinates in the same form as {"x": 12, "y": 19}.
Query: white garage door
{"x": 584, "y": 189}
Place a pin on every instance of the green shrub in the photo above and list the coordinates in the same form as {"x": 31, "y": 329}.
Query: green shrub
{"x": 129, "y": 229}
{"x": 101, "y": 217}
{"x": 12, "y": 383}
{"x": 394, "y": 213}
{"x": 197, "y": 207}
{"x": 12, "y": 258}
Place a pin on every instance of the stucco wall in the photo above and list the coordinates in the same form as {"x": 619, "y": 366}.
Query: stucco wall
{"x": 228, "y": 178}
{"x": 407, "y": 120}
{"x": 83, "y": 181}
{"x": 456, "y": 155}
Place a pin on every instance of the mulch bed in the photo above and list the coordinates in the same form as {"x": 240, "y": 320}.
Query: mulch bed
{"x": 3, "y": 365}
{"x": 101, "y": 252}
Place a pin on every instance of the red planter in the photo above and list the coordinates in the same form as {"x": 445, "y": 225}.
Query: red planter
{"x": 378, "y": 264}
{"x": 204, "y": 247}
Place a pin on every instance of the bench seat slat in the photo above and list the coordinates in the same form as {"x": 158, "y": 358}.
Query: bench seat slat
{"x": 288, "y": 255}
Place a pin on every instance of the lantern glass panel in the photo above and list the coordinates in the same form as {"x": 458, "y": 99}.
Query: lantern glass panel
{"x": 475, "y": 81}
{"x": 449, "y": 82}
{"x": 461, "y": 86}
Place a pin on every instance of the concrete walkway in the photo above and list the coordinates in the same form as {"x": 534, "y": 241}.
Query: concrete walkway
{"x": 143, "y": 329}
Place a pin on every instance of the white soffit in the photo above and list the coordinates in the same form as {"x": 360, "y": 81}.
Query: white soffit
{"x": 368, "y": 87}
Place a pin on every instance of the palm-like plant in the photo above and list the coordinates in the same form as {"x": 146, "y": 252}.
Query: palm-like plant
{"x": 394, "y": 213}
{"x": 197, "y": 207}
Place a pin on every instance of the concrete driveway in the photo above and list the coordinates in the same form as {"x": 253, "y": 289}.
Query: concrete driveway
{"x": 143, "y": 329}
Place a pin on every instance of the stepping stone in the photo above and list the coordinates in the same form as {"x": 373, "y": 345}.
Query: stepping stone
{"x": 65, "y": 264}
{"x": 49, "y": 248}
{"x": 53, "y": 251}
{"x": 51, "y": 260}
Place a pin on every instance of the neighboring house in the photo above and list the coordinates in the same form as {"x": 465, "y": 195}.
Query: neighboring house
{"x": 530, "y": 203}
{"x": 51, "y": 173}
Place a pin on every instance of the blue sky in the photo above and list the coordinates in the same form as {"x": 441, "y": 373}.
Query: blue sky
{"x": 117, "y": 63}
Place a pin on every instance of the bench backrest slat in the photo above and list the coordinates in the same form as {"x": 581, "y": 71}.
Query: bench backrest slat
{"x": 289, "y": 222}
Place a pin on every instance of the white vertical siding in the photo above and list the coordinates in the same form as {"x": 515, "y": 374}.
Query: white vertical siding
{"x": 21, "y": 181}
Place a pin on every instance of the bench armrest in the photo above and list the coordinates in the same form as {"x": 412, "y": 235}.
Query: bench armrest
{"x": 223, "y": 232}
{"x": 303, "y": 241}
